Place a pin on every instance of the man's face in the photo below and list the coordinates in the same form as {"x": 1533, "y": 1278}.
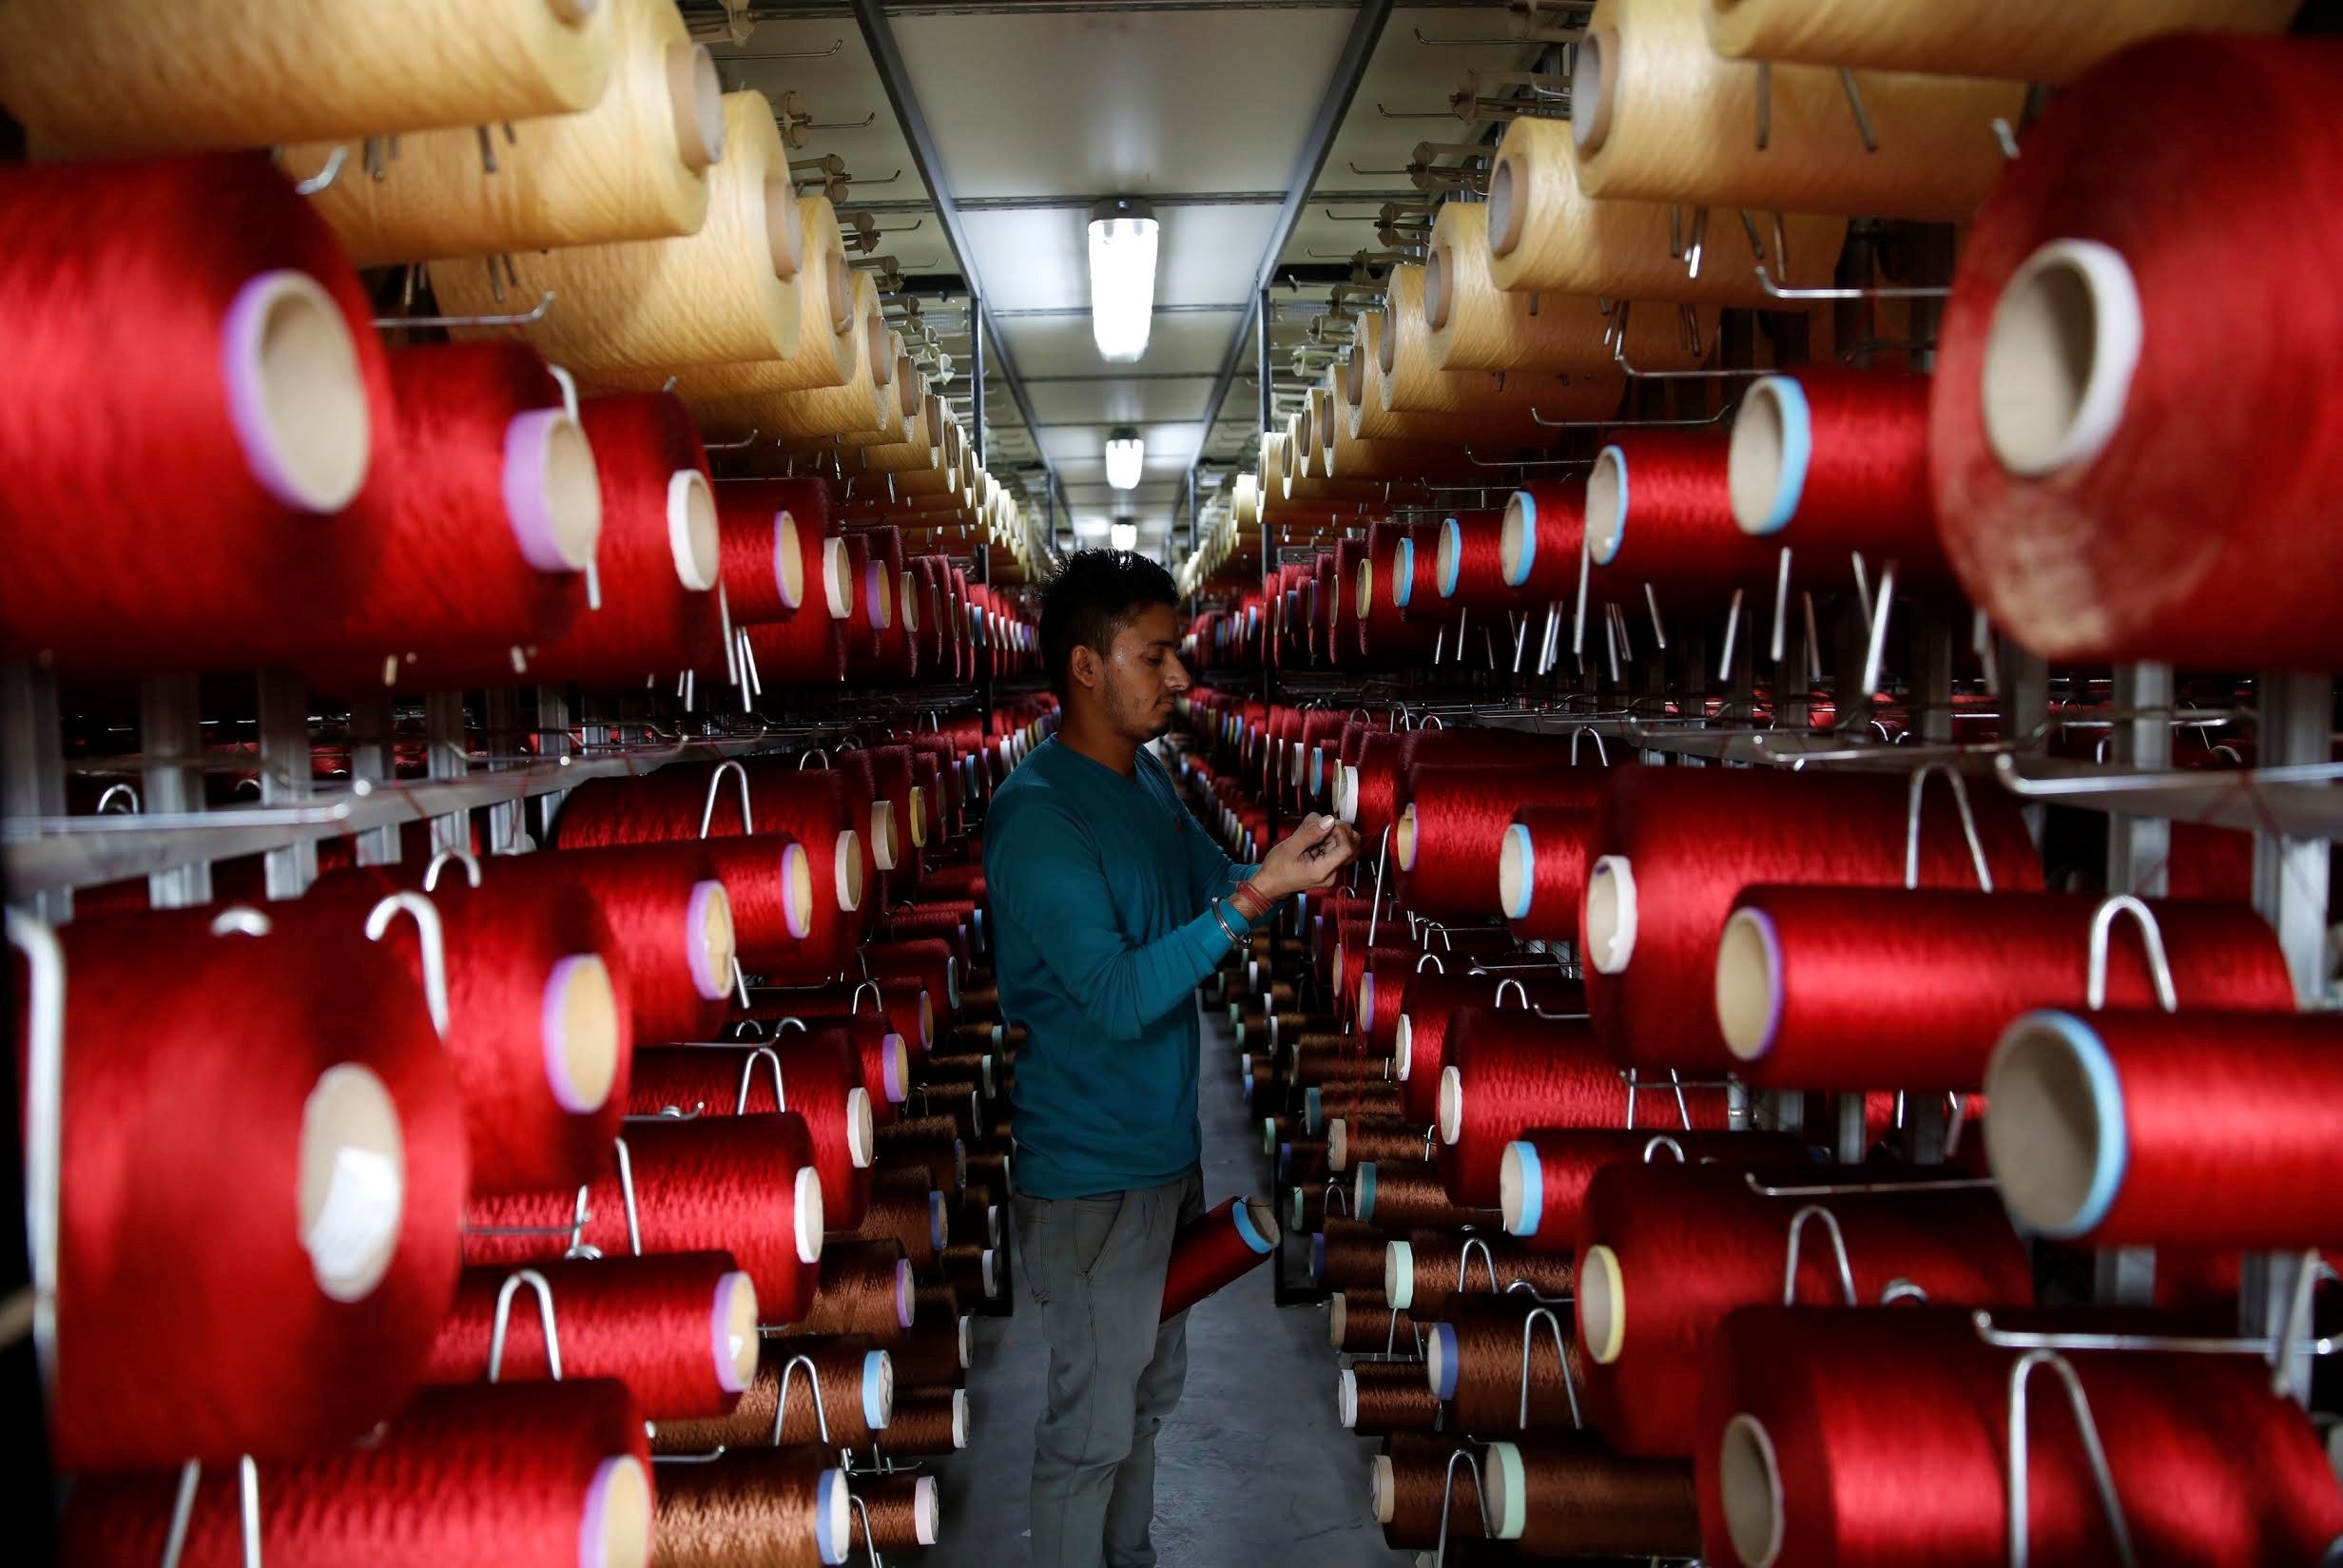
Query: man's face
{"x": 1141, "y": 675}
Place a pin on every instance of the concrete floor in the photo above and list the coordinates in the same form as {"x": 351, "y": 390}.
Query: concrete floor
{"x": 1253, "y": 1468}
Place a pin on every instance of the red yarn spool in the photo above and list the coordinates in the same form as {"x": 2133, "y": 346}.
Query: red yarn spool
{"x": 540, "y": 1029}
{"x": 1215, "y": 1250}
{"x": 1541, "y": 870}
{"x": 810, "y": 808}
{"x": 498, "y": 513}
{"x": 272, "y": 1293}
{"x": 1449, "y": 840}
{"x": 779, "y": 548}
{"x": 661, "y": 558}
{"x": 1542, "y": 1181}
{"x": 746, "y": 1185}
{"x": 190, "y": 322}
{"x": 816, "y": 1076}
{"x": 1657, "y": 897}
{"x": 1467, "y": 574}
{"x": 1428, "y": 1021}
{"x": 1659, "y": 513}
{"x": 1799, "y": 972}
{"x": 679, "y": 1329}
{"x": 1510, "y": 1071}
{"x": 928, "y": 959}
{"x": 2075, "y": 461}
{"x": 891, "y": 775}
{"x": 903, "y": 1005}
{"x": 1829, "y": 462}
{"x": 2196, "y": 1129}
{"x": 671, "y": 923}
{"x": 1665, "y": 1250}
{"x": 1540, "y": 545}
{"x": 884, "y": 833}
{"x": 530, "y": 1475}
{"x": 806, "y": 645}
{"x": 1399, "y": 560}
{"x": 1799, "y": 1459}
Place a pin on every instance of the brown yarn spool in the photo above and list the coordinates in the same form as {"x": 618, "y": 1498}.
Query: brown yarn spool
{"x": 2010, "y": 38}
{"x": 1546, "y": 234}
{"x": 1660, "y": 116}
{"x": 1474, "y": 1356}
{"x": 1409, "y": 1486}
{"x": 1359, "y": 1323}
{"x": 934, "y": 1354}
{"x": 866, "y": 1289}
{"x": 1567, "y": 1495}
{"x": 116, "y": 77}
{"x": 1354, "y": 1100}
{"x": 1374, "y": 1398}
{"x": 1420, "y": 1273}
{"x": 1475, "y": 325}
{"x": 1308, "y": 1207}
{"x": 906, "y": 1210}
{"x": 773, "y": 1507}
{"x": 1404, "y": 1197}
{"x": 973, "y": 1271}
{"x": 1352, "y": 1255}
{"x": 634, "y": 166}
{"x": 858, "y": 1398}
{"x": 928, "y": 1422}
{"x": 933, "y": 1144}
{"x": 726, "y": 292}
{"x": 978, "y": 1218}
{"x": 936, "y": 1302}
{"x": 1385, "y": 1141}
{"x": 959, "y": 1101}
{"x": 992, "y": 1170}
{"x": 903, "y": 1510}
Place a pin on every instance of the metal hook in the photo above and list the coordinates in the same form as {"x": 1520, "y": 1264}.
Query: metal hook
{"x": 862, "y": 123}
{"x": 44, "y": 1130}
{"x": 1629, "y": 424}
{"x": 1480, "y": 1496}
{"x": 739, "y": 1095}
{"x": 2151, "y": 944}
{"x": 792, "y": 54}
{"x": 781, "y": 1406}
{"x": 1838, "y": 1247}
{"x": 1969, "y": 826}
{"x": 430, "y": 872}
{"x": 716, "y": 779}
{"x": 331, "y": 172}
{"x": 248, "y": 1511}
{"x": 1444, "y": 114}
{"x": 2014, "y": 1477}
{"x": 116, "y": 790}
{"x": 1765, "y": 280}
{"x": 504, "y": 1321}
{"x": 1570, "y": 1387}
{"x": 526, "y": 318}
{"x": 241, "y": 921}
{"x": 742, "y": 444}
{"x": 435, "y": 956}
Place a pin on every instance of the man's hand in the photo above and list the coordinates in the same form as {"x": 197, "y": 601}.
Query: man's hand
{"x": 1310, "y": 857}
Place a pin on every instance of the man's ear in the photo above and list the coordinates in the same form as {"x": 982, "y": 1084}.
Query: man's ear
{"x": 1084, "y": 664}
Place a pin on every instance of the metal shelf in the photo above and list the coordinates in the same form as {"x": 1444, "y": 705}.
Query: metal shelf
{"x": 2299, "y": 802}
{"x": 45, "y": 854}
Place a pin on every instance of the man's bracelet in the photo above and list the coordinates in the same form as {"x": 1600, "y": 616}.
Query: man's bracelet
{"x": 1235, "y": 940}
{"x": 1251, "y": 900}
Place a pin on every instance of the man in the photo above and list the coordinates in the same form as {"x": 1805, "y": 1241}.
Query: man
{"x": 1109, "y": 906}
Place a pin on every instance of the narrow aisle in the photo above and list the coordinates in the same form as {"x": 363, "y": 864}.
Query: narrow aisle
{"x": 1255, "y": 1466}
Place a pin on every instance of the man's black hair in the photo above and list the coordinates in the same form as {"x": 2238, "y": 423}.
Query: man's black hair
{"x": 1095, "y": 594}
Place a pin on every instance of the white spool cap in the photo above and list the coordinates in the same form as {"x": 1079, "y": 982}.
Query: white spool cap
{"x": 353, "y": 1180}
{"x": 2060, "y": 356}
{"x": 1749, "y": 1483}
{"x": 1611, "y": 914}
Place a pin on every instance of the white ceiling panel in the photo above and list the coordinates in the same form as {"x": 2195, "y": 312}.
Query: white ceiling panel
{"x": 1079, "y": 451}
{"x": 1041, "y": 260}
{"x": 1136, "y": 402}
{"x": 1062, "y": 345}
{"x": 1121, "y": 103}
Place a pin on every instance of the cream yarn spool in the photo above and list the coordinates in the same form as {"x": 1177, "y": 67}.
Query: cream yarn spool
{"x": 922, "y": 419}
{"x": 120, "y": 77}
{"x": 1475, "y": 325}
{"x": 1355, "y": 459}
{"x": 1544, "y": 233}
{"x": 634, "y": 166}
{"x": 1409, "y": 383}
{"x": 861, "y": 404}
{"x": 826, "y": 347}
{"x": 1357, "y": 391}
{"x": 2024, "y": 40}
{"x": 1658, "y": 116}
{"x": 722, "y": 294}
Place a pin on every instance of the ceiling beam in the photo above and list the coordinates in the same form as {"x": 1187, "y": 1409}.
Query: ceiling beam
{"x": 1156, "y": 199}
{"x": 1349, "y": 70}
{"x": 886, "y": 56}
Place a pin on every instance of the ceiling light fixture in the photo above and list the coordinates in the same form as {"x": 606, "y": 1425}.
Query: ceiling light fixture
{"x": 1124, "y": 535}
{"x": 1126, "y": 454}
{"x": 1122, "y": 277}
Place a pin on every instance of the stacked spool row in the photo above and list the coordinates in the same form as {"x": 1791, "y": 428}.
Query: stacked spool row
{"x": 525, "y": 502}
{"x": 2045, "y": 469}
{"x": 583, "y": 1145}
{"x": 1493, "y": 1145}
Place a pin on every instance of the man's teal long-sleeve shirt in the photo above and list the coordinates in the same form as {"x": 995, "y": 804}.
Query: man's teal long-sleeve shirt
{"x": 1102, "y": 889}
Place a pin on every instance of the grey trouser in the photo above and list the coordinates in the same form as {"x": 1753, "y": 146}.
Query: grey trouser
{"x": 1095, "y": 1269}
